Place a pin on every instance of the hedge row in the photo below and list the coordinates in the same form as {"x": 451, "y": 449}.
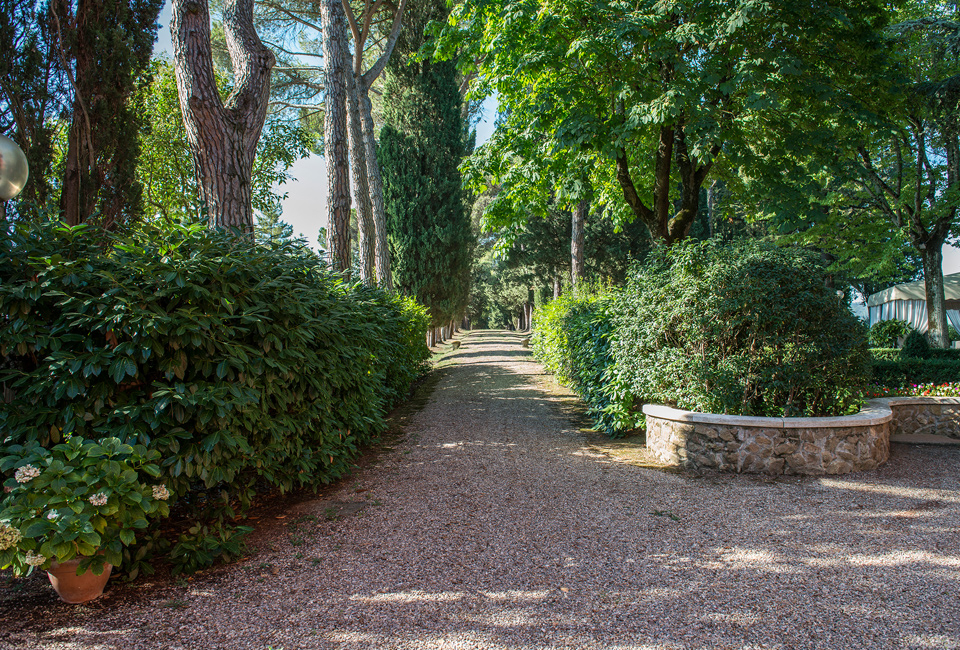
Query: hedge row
{"x": 572, "y": 340}
{"x": 246, "y": 365}
{"x": 745, "y": 328}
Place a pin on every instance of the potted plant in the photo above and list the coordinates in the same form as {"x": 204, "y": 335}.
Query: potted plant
{"x": 72, "y": 508}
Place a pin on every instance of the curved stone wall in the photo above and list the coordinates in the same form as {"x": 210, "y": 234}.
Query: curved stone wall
{"x": 925, "y": 419}
{"x": 771, "y": 445}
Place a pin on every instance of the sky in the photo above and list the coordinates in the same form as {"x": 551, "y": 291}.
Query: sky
{"x": 305, "y": 207}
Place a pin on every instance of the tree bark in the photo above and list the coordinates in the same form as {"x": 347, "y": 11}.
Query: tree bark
{"x": 576, "y": 242}
{"x": 375, "y": 185}
{"x": 932, "y": 256}
{"x": 556, "y": 288}
{"x": 361, "y": 193}
{"x": 665, "y": 225}
{"x": 223, "y": 136}
{"x": 336, "y": 68}
{"x": 377, "y": 250}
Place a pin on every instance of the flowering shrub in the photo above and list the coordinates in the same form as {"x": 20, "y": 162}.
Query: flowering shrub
{"x": 80, "y": 498}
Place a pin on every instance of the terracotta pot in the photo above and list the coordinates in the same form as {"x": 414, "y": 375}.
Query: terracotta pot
{"x": 73, "y": 588}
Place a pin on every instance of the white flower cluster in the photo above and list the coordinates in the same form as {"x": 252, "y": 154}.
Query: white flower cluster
{"x": 34, "y": 559}
{"x": 98, "y": 499}
{"x": 52, "y": 515}
{"x": 26, "y": 474}
{"x": 9, "y": 536}
{"x": 161, "y": 492}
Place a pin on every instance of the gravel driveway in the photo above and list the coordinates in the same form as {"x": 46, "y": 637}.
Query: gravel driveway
{"x": 496, "y": 524}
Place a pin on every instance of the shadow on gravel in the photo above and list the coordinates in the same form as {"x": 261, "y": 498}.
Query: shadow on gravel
{"x": 535, "y": 546}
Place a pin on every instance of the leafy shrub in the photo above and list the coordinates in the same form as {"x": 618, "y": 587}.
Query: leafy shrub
{"x": 572, "y": 339}
{"x": 915, "y": 346}
{"x": 745, "y": 329}
{"x": 246, "y": 366}
{"x": 886, "y": 333}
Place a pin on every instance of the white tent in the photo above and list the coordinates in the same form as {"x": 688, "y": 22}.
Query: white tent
{"x": 908, "y": 302}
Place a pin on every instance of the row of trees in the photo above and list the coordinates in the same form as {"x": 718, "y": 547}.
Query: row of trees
{"x": 836, "y": 124}
{"x": 228, "y": 134}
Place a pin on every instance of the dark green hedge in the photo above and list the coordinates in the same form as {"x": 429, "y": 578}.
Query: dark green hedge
{"x": 904, "y": 372}
{"x": 245, "y": 365}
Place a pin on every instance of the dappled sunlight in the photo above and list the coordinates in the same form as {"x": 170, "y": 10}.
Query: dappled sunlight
{"x": 906, "y": 492}
{"x": 410, "y": 597}
{"x": 933, "y": 641}
{"x": 752, "y": 559}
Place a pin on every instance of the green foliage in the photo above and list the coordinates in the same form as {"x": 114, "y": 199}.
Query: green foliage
{"x": 81, "y": 498}
{"x": 886, "y": 333}
{"x": 572, "y": 339}
{"x": 911, "y": 371}
{"x": 109, "y": 44}
{"x": 746, "y": 329}
{"x": 30, "y": 99}
{"x": 421, "y": 146}
{"x": 895, "y": 354}
{"x": 246, "y": 366}
{"x": 497, "y": 293}
{"x": 612, "y": 79}
{"x": 915, "y": 346}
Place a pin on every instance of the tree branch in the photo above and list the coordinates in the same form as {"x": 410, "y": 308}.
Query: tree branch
{"x": 371, "y": 75}
{"x": 630, "y": 190}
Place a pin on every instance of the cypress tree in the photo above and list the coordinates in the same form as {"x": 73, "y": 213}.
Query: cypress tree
{"x": 107, "y": 43}
{"x": 422, "y": 143}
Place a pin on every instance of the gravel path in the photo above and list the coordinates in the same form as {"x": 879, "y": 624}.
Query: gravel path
{"x": 495, "y": 524}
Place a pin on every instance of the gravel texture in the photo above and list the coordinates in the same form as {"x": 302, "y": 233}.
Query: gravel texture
{"x": 496, "y": 523}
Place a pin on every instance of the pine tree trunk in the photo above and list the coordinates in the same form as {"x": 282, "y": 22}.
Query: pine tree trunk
{"x": 937, "y": 335}
{"x": 576, "y": 242}
{"x": 336, "y": 68}
{"x": 223, "y": 136}
{"x": 556, "y": 288}
{"x": 361, "y": 192}
{"x": 70, "y": 193}
{"x": 375, "y": 184}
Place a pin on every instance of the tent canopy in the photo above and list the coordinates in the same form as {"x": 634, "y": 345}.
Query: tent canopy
{"x": 915, "y": 291}
{"x": 908, "y": 302}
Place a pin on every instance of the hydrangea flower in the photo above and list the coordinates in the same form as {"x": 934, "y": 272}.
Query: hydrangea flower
{"x": 99, "y": 499}
{"x": 161, "y": 492}
{"x": 34, "y": 559}
{"x": 9, "y": 536}
{"x": 26, "y": 474}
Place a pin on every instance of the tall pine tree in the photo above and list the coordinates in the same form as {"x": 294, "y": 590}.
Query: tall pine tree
{"x": 421, "y": 146}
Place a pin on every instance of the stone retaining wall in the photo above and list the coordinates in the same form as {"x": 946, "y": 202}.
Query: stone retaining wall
{"x": 925, "y": 417}
{"x": 771, "y": 445}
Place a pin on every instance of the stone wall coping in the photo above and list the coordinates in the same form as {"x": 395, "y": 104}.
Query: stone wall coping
{"x": 911, "y": 401}
{"x": 875, "y": 411}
